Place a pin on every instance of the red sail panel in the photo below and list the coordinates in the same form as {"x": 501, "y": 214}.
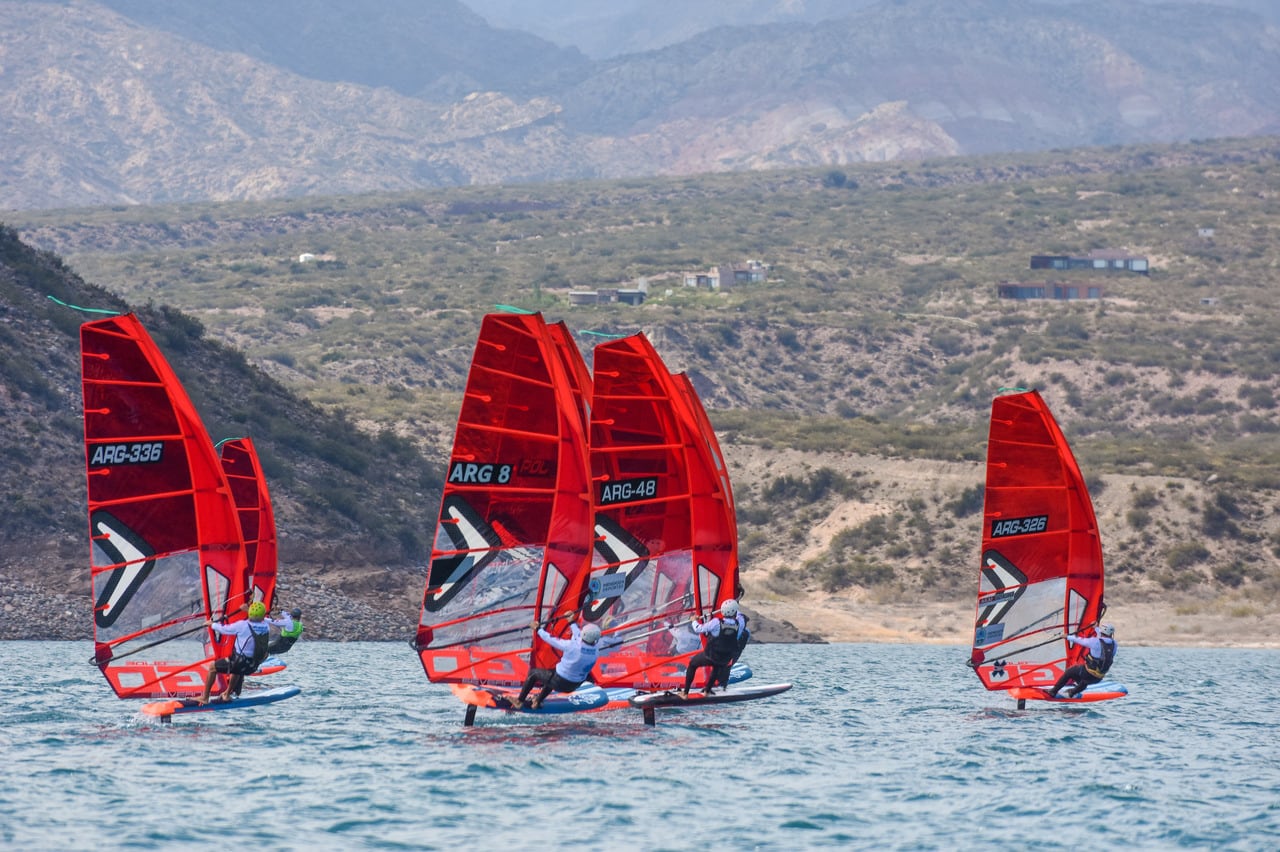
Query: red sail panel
{"x": 716, "y": 521}
{"x": 165, "y": 546}
{"x": 243, "y": 469}
{"x": 1041, "y": 574}
{"x": 512, "y": 543}
{"x": 664, "y": 545}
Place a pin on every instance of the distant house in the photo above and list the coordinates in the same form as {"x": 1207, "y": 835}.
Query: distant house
{"x": 605, "y": 295}
{"x": 751, "y": 272}
{"x": 1047, "y": 290}
{"x": 1102, "y": 260}
{"x": 726, "y": 277}
{"x": 306, "y": 257}
{"x": 709, "y": 280}
{"x": 1204, "y": 233}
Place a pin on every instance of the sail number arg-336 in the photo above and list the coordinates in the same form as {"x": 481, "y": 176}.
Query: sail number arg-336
{"x": 626, "y": 490}
{"x": 1019, "y": 526}
{"x": 145, "y": 452}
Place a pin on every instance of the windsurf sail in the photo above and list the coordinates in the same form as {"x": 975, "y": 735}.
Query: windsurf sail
{"x": 249, "y": 492}
{"x": 665, "y": 537}
{"x": 165, "y": 544}
{"x": 512, "y": 544}
{"x": 1041, "y": 575}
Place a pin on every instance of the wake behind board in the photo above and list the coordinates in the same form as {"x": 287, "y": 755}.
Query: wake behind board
{"x": 1105, "y": 690}
{"x": 728, "y": 696}
{"x": 166, "y": 709}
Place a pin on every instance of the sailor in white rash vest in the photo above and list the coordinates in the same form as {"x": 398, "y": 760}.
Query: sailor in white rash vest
{"x": 1100, "y": 654}
{"x": 578, "y": 656}
{"x": 252, "y": 636}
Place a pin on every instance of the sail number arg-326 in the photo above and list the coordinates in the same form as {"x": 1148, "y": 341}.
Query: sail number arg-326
{"x": 626, "y": 490}
{"x": 1019, "y": 526}
{"x": 146, "y": 452}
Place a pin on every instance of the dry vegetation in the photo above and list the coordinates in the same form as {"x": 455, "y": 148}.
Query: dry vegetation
{"x": 850, "y": 389}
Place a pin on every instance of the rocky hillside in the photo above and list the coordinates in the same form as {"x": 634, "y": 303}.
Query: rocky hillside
{"x": 144, "y": 101}
{"x": 343, "y": 497}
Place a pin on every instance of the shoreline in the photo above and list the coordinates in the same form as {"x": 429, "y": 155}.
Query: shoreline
{"x": 1138, "y": 625}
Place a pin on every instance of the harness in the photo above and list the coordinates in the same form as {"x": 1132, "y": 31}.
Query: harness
{"x": 244, "y": 664}
{"x": 723, "y": 647}
{"x": 1096, "y": 666}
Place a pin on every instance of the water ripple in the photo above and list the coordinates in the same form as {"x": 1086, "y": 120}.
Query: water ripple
{"x": 917, "y": 756}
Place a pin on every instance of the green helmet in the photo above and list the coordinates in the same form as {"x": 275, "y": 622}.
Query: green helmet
{"x": 257, "y": 610}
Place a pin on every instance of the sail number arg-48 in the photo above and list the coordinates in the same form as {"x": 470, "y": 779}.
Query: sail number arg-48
{"x": 145, "y": 452}
{"x": 1019, "y": 526}
{"x": 625, "y": 490}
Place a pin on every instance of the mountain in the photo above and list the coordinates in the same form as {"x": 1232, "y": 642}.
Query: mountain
{"x": 438, "y": 51}
{"x": 605, "y": 30}
{"x": 145, "y": 101}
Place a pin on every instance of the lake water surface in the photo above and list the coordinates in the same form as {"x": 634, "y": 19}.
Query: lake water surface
{"x": 876, "y": 747}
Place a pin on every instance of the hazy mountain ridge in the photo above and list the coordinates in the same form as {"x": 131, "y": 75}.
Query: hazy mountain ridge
{"x": 99, "y": 109}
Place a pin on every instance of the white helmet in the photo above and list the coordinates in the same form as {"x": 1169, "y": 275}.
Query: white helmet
{"x": 591, "y": 634}
{"x": 1107, "y": 630}
{"x": 729, "y": 608}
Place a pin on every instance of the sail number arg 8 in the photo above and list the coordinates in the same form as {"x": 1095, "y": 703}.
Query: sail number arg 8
{"x": 146, "y": 452}
{"x": 463, "y": 473}
{"x": 1019, "y": 526}
{"x": 625, "y": 490}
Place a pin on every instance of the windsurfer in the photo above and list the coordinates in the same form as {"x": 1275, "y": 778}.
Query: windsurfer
{"x": 578, "y": 656}
{"x": 684, "y": 640}
{"x": 722, "y": 632}
{"x": 1100, "y": 652}
{"x": 290, "y": 624}
{"x": 252, "y": 637}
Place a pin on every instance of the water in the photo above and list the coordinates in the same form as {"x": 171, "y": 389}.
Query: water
{"x": 877, "y": 747}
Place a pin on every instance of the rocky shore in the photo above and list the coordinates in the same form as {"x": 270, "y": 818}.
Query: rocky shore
{"x": 371, "y": 606}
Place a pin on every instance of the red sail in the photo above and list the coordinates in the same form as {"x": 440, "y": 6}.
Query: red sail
{"x": 665, "y": 545}
{"x": 1041, "y": 574}
{"x": 243, "y": 470}
{"x": 512, "y": 543}
{"x": 166, "y": 549}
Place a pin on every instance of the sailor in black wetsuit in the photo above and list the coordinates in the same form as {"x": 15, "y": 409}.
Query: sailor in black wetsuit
{"x": 722, "y": 633}
{"x": 1100, "y": 653}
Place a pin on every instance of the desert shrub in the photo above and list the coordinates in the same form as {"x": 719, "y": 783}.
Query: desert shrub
{"x": 968, "y": 502}
{"x": 1186, "y": 554}
{"x": 1139, "y": 519}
